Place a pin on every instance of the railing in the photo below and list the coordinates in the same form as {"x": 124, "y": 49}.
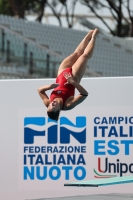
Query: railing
{"x": 8, "y": 56}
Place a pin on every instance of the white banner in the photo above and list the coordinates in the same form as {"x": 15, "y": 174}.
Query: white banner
{"x": 92, "y": 141}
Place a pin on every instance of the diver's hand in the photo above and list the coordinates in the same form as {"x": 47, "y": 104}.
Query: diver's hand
{"x": 54, "y": 85}
{"x": 68, "y": 77}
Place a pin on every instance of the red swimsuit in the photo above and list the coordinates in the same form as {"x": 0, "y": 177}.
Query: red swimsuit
{"x": 63, "y": 91}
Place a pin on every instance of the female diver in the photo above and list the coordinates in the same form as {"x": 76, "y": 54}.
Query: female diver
{"x": 69, "y": 75}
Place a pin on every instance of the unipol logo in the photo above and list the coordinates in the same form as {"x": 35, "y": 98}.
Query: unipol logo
{"x": 47, "y": 128}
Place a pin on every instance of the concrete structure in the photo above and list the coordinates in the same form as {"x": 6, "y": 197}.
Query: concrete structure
{"x": 113, "y": 56}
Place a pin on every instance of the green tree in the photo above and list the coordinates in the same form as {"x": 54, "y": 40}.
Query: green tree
{"x": 58, "y": 6}
{"x": 130, "y": 14}
{"x": 35, "y": 7}
{"x": 115, "y": 9}
{"x": 5, "y": 8}
{"x": 20, "y": 7}
{"x": 17, "y": 7}
{"x": 67, "y": 8}
{"x": 125, "y": 29}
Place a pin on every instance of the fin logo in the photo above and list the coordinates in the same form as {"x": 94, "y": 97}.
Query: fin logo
{"x": 37, "y": 126}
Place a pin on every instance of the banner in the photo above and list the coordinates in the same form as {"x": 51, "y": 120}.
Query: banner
{"x": 92, "y": 141}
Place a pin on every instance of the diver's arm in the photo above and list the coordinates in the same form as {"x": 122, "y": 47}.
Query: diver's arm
{"x": 47, "y": 87}
{"x": 80, "y": 88}
{"x": 42, "y": 92}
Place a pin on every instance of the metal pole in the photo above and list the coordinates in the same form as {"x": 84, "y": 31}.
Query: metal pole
{"x": 3, "y": 41}
{"x": 54, "y": 66}
{"x": 25, "y": 53}
{"x": 8, "y": 51}
{"x": 31, "y": 63}
{"x": 47, "y": 64}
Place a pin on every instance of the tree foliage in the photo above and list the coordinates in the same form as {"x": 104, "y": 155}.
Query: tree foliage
{"x": 116, "y": 8}
{"x": 58, "y": 6}
{"x": 20, "y": 7}
{"x": 5, "y": 8}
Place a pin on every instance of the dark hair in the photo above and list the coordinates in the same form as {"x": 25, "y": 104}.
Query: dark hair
{"x": 54, "y": 115}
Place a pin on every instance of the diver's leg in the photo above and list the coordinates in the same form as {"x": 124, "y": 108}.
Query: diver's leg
{"x": 70, "y": 60}
{"x": 79, "y": 66}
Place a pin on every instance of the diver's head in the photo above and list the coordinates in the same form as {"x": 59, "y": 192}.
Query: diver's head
{"x": 53, "y": 110}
